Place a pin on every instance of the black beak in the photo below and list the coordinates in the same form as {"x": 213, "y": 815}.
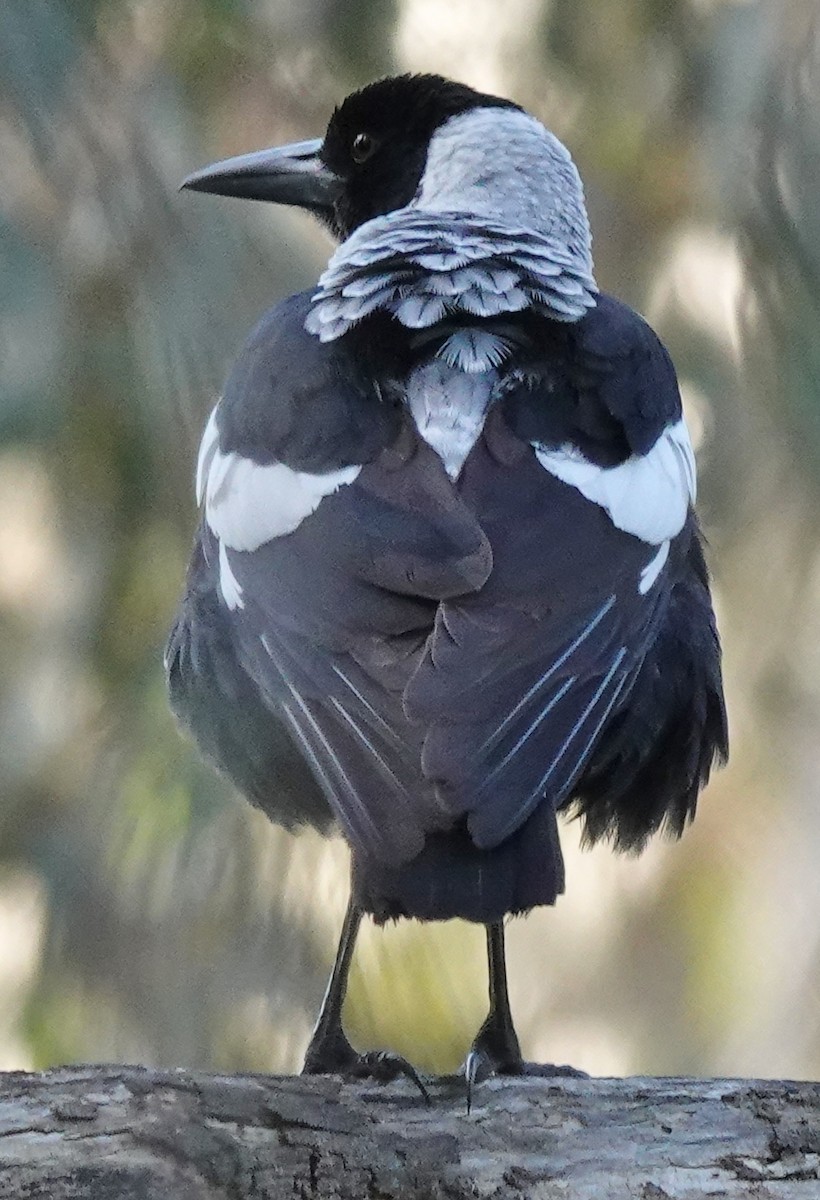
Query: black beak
{"x": 292, "y": 175}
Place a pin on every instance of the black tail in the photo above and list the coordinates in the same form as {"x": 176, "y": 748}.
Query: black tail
{"x": 658, "y": 753}
{"x": 451, "y": 877}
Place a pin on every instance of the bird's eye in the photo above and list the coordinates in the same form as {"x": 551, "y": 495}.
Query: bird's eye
{"x": 362, "y": 147}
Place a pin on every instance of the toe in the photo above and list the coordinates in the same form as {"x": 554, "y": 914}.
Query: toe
{"x": 385, "y": 1066}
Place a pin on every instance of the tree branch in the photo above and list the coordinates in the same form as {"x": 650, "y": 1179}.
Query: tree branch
{"x": 130, "y": 1133}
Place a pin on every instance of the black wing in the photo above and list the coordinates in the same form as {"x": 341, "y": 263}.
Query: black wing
{"x": 335, "y": 617}
{"x": 521, "y": 679}
{"x": 222, "y": 708}
{"x": 446, "y": 656}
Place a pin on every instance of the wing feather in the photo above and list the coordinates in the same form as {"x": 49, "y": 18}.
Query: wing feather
{"x": 520, "y": 679}
{"x": 448, "y": 656}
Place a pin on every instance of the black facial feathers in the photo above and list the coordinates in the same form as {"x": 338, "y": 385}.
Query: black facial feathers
{"x": 377, "y": 141}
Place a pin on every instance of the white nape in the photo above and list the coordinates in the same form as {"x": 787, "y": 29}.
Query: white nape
{"x": 505, "y": 163}
{"x": 248, "y": 504}
{"x": 648, "y": 495}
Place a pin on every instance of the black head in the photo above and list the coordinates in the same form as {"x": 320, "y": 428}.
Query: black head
{"x": 377, "y": 141}
{"x": 370, "y": 162}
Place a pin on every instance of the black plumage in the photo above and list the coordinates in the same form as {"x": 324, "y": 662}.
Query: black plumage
{"x": 436, "y": 627}
{"x": 398, "y": 124}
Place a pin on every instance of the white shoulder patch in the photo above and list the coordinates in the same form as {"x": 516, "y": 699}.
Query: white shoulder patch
{"x": 247, "y": 504}
{"x": 648, "y": 495}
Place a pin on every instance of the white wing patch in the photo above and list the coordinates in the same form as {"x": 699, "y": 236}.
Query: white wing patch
{"x": 228, "y": 583}
{"x": 648, "y": 495}
{"x": 248, "y": 504}
{"x": 207, "y": 449}
{"x": 653, "y": 568}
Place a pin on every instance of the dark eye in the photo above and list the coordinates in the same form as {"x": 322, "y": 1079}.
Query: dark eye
{"x": 362, "y": 147}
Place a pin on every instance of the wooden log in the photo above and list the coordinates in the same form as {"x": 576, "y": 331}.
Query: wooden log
{"x": 131, "y": 1133}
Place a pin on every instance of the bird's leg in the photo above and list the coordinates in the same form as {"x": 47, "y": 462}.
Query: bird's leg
{"x": 495, "y": 1050}
{"x": 329, "y": 1052}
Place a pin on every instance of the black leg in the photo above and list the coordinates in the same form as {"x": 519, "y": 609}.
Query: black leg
{"x": 495, "y": 1050}
{"x": 329, "y": 1052}
{"x": 500, "y": 1035}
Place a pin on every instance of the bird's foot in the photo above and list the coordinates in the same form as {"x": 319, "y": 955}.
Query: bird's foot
{"x": 385, "y": 1066}
{"x": 478, "y": 1066}
{"x": 334, "y": 1055}
{"x": 495, "y": 1051}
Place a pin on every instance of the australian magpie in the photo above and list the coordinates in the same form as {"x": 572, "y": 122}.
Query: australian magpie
{"x": 448, "y": 580}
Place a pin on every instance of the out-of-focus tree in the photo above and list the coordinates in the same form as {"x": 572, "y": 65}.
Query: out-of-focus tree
{"x": 176, "y": 925}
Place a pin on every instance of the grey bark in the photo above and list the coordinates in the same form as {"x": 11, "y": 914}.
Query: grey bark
{"x": 129, "y": 1133}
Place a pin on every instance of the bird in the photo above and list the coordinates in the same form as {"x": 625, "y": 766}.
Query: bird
{"x": 448, "y": 582}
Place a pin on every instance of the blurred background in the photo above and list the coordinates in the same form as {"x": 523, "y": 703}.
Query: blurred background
{"x": 146, "y": 914}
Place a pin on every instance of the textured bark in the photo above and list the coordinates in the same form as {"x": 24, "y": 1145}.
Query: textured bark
{"x": 127, "y": 1133}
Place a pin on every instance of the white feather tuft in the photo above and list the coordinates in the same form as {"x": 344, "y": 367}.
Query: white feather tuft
{"x": 474, "y": 350}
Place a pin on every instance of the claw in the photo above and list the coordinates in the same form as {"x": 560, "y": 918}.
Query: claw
{"x": 479, "y": 1065}
{"x": 385, "y": 1066}
{"x": 472, "y": 1066}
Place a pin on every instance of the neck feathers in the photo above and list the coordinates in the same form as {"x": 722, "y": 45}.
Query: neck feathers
{"x": 423, "y": 267}
{"x": 497, "y": 226}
